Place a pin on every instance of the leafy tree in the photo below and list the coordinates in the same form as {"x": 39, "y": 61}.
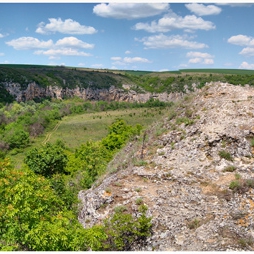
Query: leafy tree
{"x": 119, "y": 133}
{"x": 94, "y": 157}
{"x": 17, "y": 137}
{"x": 32, "y": 215}
{"x": 47, "y": 160}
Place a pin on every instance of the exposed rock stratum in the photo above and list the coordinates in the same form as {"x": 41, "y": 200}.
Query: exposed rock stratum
{"x": 185, "y": 175}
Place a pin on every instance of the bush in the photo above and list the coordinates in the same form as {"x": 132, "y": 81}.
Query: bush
{"x": 123, "y": 229}
{"x": 47, "y": 160}
{"x": 17, "y": 138}
{"x": 229, "y": 169}
{"x": 225, "y": 155}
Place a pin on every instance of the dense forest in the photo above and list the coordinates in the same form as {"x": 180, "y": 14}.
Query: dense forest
{"x": 39, "y": 193}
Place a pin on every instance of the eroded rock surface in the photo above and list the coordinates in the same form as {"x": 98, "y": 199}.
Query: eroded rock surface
{"x": 34, "y": 91}
{"x": 184, "y": 177}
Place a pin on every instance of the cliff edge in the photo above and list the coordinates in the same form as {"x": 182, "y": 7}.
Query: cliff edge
{"x": 194, "y": 171}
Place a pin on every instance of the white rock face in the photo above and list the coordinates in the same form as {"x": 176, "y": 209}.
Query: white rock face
{"x": 33, "y": 91}
{"x": 185, "y": 180}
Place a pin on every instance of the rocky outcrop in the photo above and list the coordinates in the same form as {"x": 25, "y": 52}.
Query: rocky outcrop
{"x": 185, "y": 175}
{"x": 34, "y": 91}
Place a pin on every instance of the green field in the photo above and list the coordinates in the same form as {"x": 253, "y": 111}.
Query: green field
{"x": 74, "y": 130}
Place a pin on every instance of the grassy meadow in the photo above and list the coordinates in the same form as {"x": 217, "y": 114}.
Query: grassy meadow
{"x": 74, "y": 130}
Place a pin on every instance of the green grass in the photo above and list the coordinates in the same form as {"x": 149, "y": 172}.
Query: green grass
{"x": 77, "y": 129}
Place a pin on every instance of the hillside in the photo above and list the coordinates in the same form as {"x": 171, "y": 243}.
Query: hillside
{"x": 35, "y": 82}
{"x": 194, "y": 171}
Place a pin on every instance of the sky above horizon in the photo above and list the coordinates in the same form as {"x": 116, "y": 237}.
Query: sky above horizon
{"x": 128, "y": 36}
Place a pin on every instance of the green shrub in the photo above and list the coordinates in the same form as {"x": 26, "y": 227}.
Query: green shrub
{"x": 225, "y": 155}
{"x": 123, "y": 230}
{"x": 139, "y": 201}
{"x": 120, "y": 209}
{"x": 234, "y": 185}
{"x": 47, "y": 160}
{"x": 194, "y": 224}
{"x": 17, "y": 138}
{"x": 184, "y": 120}
{"x": 229, "y": 169}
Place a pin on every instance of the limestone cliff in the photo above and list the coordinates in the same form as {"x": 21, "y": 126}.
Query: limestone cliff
{"x": 34, "y": 91}
{"x": 185, "y": 175}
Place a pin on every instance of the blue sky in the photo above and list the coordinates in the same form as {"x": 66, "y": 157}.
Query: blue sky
{"x": 133, "y": 36}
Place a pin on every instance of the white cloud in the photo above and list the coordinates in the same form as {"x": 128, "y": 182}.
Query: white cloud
{"x": 73, "y": 42}
{"x": 127, "y": 52}
{"x": 3, "y": 35}
{"x": 1, "y": 54}
{"x": 68, "y": 46}
{"x": 241, "y": 40}
{"x": 136, "y": 60}
{"x": 192, "y": 54}
{"x": 129, "y": 10}
{"x": 247, "y": 51}
{"x": 173, "y": 41}
{"x": 195, "y": 60}
{"x": 128, "y": 60}
{"x": 203, "y": 10}
{"x": 172, "y": 21}
{"x": 97, "y": 66}
{"x": 62, "y": 52}
{"x": 199, "y": 57}
{"x": 208, "y": 61}
{"x": 245, "y": 65}
{"x": 116, "y": 58}
{"x": 23, "y": 43}
{"x": 68, "y": 26}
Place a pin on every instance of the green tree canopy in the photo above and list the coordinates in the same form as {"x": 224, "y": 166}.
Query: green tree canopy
{"x": 47, "y": 160}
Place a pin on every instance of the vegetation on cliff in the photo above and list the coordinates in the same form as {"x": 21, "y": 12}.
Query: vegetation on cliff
{"x": 141, "y": 81}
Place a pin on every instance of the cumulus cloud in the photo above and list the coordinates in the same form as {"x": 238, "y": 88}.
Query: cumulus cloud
{"x": 62, "y": 52}
{"x": 129, "y": 10}
{"x": 68, "y": 46}
{"x": 128, "y": 60}
{"x": 97, "y": 66}
{"x": 249, "y": 51}
{"x": 136, "y": 60}
{"x": 243, "y": 40}
{"x": 67, "y": 26}
{"x": 172, "y": 21}
{"x": 173, "y": 41}
{"x": 245, "y": 65}
{"x": 73, "y": 42}
{"x": 23, "y": 43}
{"x": 203, "y": 10}
{"x": 127, "y": 52}
{"x": 199, "y": 57}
